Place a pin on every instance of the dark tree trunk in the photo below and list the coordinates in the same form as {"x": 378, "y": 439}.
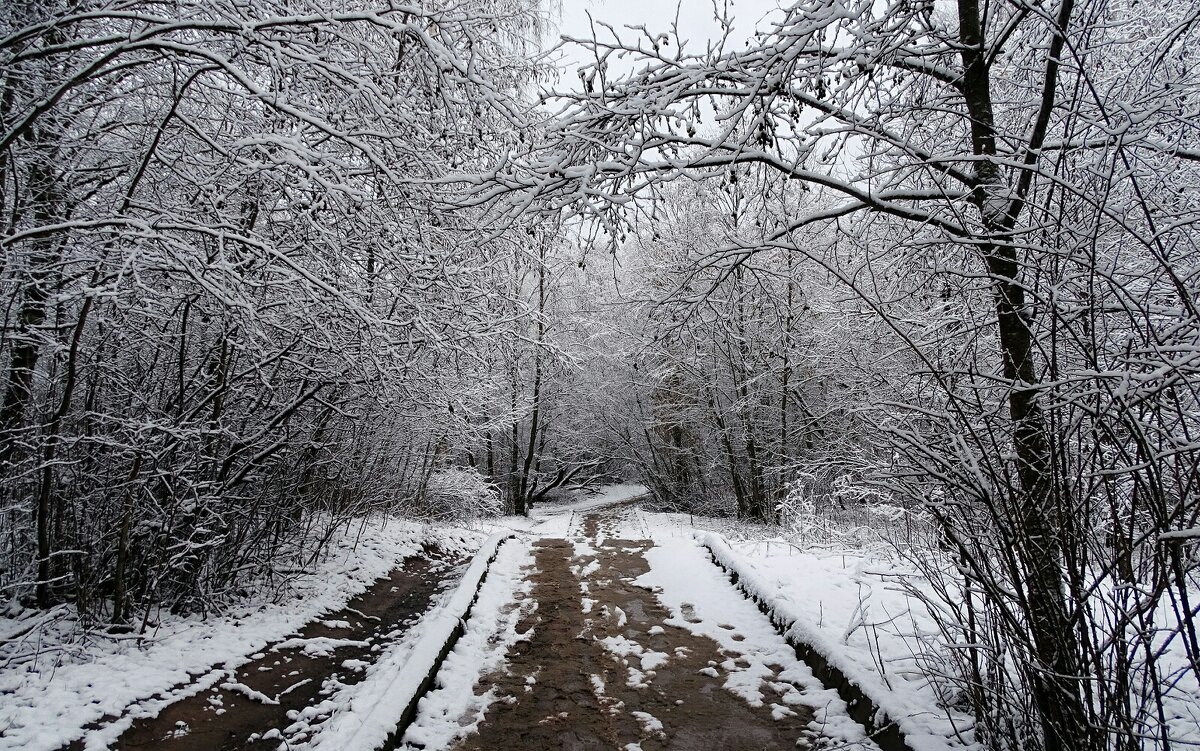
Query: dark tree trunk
{"x": 44, "y": 205}
{"x": 1057, "y": 678}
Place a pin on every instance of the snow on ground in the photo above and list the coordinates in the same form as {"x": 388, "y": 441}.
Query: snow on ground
{"x": 852, "y": 603}
{"x": 856, "y": 610}
{"x": 702, "y": 600}
{"x": 557, "y": 519}
{"x": 554, "y": 519}
{"x": 852, "y": 597}
{"x": 57, "y": 679}
{"x": 1181, "y": 690}
{"x": 864, "y": 608}
{"x": 685, "y": 580}
{"x": 452, "y": 710}
{"x": 365, "y": 714}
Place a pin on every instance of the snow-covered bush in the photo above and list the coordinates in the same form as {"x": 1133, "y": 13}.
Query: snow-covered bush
{"x": 798, "y": 509}
{"x": 456, "y": 494}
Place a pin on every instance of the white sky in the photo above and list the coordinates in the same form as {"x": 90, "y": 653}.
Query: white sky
{"x": 696, "y": 20}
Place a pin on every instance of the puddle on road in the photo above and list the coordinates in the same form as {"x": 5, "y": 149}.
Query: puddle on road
{"x": 255, "y": 708}
{"x": 618, "y": 676}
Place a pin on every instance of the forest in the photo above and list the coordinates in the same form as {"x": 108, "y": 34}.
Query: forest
{"x": 272, "y": 267}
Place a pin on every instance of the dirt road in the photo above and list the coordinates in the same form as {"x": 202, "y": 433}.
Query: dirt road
{"x": 602, "y": 667}
{"x": 603, "y": 634}
{"x": 276, "y": 698}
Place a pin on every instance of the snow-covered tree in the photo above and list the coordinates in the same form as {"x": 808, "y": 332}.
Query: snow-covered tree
{"x": 234, "y": 292}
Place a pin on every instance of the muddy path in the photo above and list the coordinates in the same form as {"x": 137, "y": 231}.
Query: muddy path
{"x": 277, "y": 696}
{"x": 600, "y": 668}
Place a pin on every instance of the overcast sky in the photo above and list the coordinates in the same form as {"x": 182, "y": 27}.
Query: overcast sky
{"x": 696, "y": 18}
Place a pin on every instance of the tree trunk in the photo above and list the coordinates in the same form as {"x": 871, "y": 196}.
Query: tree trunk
{"x": 1057, "y": 678}
{"x": 730, "y": 457}
{"x": 120, "y": 614}
{"x": 531, "y": 450}
{"x": 23, "y": 362}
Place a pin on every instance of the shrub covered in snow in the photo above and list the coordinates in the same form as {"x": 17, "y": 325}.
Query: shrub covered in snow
{"x": 457, "y": 494}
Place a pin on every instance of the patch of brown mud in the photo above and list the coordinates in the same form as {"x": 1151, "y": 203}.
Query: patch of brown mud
{"x": 645, "y": 687}
{"x": 225, "y": 719}
{"x": 559, "y": 710}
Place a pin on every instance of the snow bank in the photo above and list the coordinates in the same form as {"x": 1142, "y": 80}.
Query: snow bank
{"x": 453, "y": 710}
{"x": 684, "y": 580}
{"x": 385, "y": 703}
{"x": 63, "y": 682}
{"x": 826, "y": 626}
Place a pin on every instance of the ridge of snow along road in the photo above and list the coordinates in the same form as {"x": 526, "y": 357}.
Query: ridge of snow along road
{"x": 385, "y": 704}
{"x": 452, "y": 710}
{"x": 920, "y": 728}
